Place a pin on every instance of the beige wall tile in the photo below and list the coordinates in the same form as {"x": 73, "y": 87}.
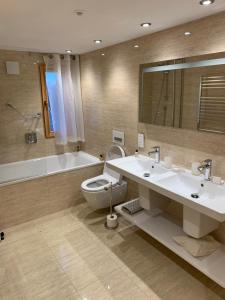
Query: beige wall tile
{"x": 110, "y": 89}
{"x": 24, "y": 92}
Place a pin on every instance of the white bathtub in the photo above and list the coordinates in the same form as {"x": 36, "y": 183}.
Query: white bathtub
{"x": 45, "y": 166}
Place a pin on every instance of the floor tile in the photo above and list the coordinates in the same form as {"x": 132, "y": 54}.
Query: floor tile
{"x": 95, "y": 291}
{"x": 70, "y": 255}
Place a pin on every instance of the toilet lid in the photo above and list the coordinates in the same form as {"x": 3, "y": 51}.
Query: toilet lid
{"x": 114, "y": 152}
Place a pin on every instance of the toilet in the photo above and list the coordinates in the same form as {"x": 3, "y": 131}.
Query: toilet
{"x": 94, "y": 190}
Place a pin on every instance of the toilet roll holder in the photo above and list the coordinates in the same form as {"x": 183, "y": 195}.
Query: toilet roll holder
{"x": 2, "y": 236}
{"x": 111, "y": 219}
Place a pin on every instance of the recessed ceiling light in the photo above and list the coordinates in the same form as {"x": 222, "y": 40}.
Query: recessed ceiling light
{"x": 146, "y": 24}
{"x": 68, "y": 51}
{"x": 206, "y": 2}
{"x": 97, "y": 41}
{"x": 136, "y": 46}
{"x": 78, "y": 12}
{"x": 187, "y": 33}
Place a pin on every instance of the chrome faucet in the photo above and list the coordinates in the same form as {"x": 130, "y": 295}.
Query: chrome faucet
{"x": 206, "y": 169}
{"x": 156, "y": 151}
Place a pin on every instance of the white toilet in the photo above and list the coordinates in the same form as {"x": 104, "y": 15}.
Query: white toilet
{"x": 94, "y": 188}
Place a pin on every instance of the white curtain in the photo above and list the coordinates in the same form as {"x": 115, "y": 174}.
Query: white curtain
{"x": 64, "y": 93}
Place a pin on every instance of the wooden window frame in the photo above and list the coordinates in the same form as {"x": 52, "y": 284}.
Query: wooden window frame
{"x": 45, "y": 101}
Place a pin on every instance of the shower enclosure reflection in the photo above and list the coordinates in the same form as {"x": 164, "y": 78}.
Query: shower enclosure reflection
{"x": 184, "y": 93}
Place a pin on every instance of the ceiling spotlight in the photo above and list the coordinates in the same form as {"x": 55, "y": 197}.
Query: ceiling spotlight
{"x": 187, "y": 33}
{"x": 68, "y": 51}
{"x": 78, "y": 12}
{"x": 97, "y": 41}
{"x": 136, "y": 46}
{"x": 206, "y": 2}
{"x": 146, "y": 24}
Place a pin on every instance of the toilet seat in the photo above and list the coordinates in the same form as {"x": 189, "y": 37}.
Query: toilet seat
{"x": 98, "y": 183}
{"x": 94, "y": 189}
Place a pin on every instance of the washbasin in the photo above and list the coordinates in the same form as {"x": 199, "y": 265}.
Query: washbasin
{"x": 182, "y": 183}
{"x": 176, "y": 184}
{"x": 141, "y": 166}
{"x": 192, "y": 187}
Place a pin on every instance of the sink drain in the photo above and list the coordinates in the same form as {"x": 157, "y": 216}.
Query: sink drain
{"x": 146, "y": 174}
{"x": 195, "y": 195}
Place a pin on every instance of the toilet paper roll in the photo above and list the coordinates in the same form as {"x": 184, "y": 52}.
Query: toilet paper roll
{"x": 112, "y": 221}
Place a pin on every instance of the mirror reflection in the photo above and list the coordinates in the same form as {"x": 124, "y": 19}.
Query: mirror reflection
{"x": 186, "y": 93}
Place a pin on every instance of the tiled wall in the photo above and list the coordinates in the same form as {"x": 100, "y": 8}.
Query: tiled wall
{"x": 29, "y": 200}
{"x": 24, "y": 92}
{"x": 110, "y": 89}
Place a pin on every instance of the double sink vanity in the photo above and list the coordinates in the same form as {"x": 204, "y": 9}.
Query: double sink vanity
{"x": 203, "y": 207}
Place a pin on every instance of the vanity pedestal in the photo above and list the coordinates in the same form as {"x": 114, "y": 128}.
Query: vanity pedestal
{"x": 196, "y": 224}
{"x": 150, "y": 200}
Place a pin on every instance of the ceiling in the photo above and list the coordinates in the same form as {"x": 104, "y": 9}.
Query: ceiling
{"x": 52, "y": 25}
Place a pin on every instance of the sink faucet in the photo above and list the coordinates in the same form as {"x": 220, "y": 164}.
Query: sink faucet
{"x": 206, "y": 169}
{"x": 156, "y": 151}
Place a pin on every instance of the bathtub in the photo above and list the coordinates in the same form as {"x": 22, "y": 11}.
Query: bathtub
{"x": 34, "y": 188}
{"x": 34, "y": 168}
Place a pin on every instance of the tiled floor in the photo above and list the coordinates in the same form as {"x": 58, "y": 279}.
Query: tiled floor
{"x": 70, "y": 255}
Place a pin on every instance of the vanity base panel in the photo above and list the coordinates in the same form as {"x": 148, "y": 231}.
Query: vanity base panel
{"x": 151, "y": 200}
{"x": 163, "y": 229}
{"x": 196, "y": 224}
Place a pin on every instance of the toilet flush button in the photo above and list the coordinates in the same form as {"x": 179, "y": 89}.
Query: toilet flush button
{"x": 118, "y": 137}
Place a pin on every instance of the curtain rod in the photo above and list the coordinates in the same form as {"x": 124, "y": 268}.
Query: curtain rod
{"x": 73, "y": 57}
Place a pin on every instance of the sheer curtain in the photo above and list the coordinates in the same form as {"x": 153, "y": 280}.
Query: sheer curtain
{"x": 64, "y": 93}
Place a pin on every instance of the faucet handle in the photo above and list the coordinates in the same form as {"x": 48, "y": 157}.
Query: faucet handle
{"x": 157, "y": 148}
{"x": 208, "y": 162}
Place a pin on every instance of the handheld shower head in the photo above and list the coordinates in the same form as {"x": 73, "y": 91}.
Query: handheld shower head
{"x": 10, "y": 106}
{"x": 14, "y": 108}
{"x": 25, "y": 117}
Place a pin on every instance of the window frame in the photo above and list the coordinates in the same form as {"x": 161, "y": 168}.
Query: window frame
{"x": 45, "y": 102}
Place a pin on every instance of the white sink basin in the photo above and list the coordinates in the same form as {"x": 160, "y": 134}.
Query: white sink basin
{"x": 175, "y": 185}
{"x": 182, "y": 183}
{"x": 188, "y": 186}
{"x": 141, "y": 166}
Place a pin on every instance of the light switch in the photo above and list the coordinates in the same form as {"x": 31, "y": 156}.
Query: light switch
{"x": 141, "y": 140}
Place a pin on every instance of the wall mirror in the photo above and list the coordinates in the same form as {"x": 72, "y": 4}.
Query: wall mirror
{"x": 184, "y": 93}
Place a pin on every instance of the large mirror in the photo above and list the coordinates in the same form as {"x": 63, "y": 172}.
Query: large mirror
{"x": 185, "y": 93}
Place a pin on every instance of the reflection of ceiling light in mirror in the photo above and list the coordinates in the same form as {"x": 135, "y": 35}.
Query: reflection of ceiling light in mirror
{"x": 146, "y": 24}
{"x": 136, "y": 46}
{"x": 206, "y": 2}
{"x": 102, "y": 54}
{"x": 68, "y": 51}
{"x": 97, "y": 41}
{"x": 187, "y": 33}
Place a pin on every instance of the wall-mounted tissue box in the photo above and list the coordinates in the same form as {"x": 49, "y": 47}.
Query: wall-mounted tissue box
{"x": 12, "y": 68}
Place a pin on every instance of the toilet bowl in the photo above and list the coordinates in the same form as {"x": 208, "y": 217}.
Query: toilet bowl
{"x": 94, "y": 189}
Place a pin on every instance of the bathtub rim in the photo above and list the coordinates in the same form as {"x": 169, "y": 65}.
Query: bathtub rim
{"x": 91, "y": 164}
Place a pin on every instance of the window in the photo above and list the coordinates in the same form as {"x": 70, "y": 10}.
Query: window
{"x": 47, "y": 79}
